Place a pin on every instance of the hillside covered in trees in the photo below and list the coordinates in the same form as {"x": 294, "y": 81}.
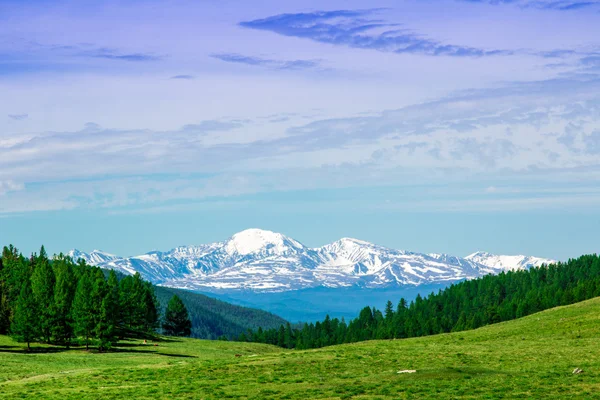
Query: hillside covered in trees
{"x": 462, "y": 306}
{"x": 213, "y": 319}
{"x": 63, "y": 301}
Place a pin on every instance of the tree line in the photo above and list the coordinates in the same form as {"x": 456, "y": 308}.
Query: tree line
{"x": 60, "y": 301}
{"x": 462, "y": 306}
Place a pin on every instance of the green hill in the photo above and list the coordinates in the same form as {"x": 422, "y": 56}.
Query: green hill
{"x": 532, "y": 357}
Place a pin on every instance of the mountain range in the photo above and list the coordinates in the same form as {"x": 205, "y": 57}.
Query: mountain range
{"x": 263, "y": 261}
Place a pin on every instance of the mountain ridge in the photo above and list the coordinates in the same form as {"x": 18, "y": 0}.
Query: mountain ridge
{"x": 263, "y": 261}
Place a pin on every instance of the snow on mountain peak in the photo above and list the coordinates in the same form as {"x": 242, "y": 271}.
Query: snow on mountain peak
{"x": 95, "y": 257}
{"x": 261, "y": 260}
{"x": 355, "y": 241}
{"x": 253, "y": 241}
{"x": 479, "y": 254}
{"x": 351, "y": 245}
{"x": 507, "y": 263}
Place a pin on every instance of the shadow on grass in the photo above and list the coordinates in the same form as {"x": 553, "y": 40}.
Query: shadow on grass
{"x": 133, "y": 345}
{"x": 33, "y": 350}
{"x": 48, "y": 350}
{"x": 170, "y": 339}
{"x": 150, "y": 351}
{"x": 177, "y": 355}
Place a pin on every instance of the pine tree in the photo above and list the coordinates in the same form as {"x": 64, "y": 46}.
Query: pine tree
{"x": 25, "y": 324}
{"x": 138, "y": 304}
{"x": 126, "y": 306}
{"x": 14, "y": 274}
{"x": 389, "y": 312}
{"x": 106, "y": 328}
{"x": 281, "y": 337}
{"x": 42, "y": 286}
{"x": 83, "y": 309}
{"x": 177, "y": 321}
{"x": 64, "y": 292}
{"x": 150, "y": 307}
{"x": 289, "y": 337}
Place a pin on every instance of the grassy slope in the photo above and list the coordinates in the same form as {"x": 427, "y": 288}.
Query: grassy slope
{"x": 528, "y": 358}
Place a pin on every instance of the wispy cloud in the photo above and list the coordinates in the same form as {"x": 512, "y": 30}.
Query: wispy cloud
{"x": 211, "y": 126}
{"x": 558, "y": 53}
{"x": 183, "y": 77}
{"x": 31, "y": 57}
{"x": 500, "y": 128}
{"x": 568, "y": 5}
{"x": 111, "y": 54}
{"x": 18, "y": 117}
{"x": 356, "y": 28}
{"x": 559, "y": 5}
{"x": 267, "y": 62}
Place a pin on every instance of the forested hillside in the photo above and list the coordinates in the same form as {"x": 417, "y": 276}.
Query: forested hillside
{"x": 212, "y": 318}
{"x": 465, "y": 305}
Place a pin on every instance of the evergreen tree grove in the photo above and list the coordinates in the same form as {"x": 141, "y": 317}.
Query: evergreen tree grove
{"x": 58, "y": 300}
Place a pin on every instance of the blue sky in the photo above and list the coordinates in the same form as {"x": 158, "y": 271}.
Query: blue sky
{"x": 438, "y": 126}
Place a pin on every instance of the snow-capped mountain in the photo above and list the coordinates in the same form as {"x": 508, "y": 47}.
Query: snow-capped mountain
{"x": 263, "y": 261}
{"x": 498, "y": 263}
{"x": 96, "y": 257}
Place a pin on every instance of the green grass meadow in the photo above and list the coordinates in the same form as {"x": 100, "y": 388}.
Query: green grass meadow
{"x": 530, "y": 358}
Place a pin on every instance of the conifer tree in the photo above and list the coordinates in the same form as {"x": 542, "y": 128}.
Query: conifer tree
{"x": 150, "y": 307}
{"x": 177, "y": 321}
{"x": 15, "y": 273}
{"x": 289, "y": 336}
{"x": 389, "y": 311}
{"x": 106, "y": 328}
{"x": 42, "y": 286}
{"x": 126, "y": 306}
{"x": 25, "y": 323}
{"x": 83, "y": 309}
{"x": 64, "y": 292}
{"x": 138, "y": 304}
{"x": 281, "y": 337}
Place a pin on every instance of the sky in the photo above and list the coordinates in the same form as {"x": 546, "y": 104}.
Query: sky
{"x": 431, "y": 125}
